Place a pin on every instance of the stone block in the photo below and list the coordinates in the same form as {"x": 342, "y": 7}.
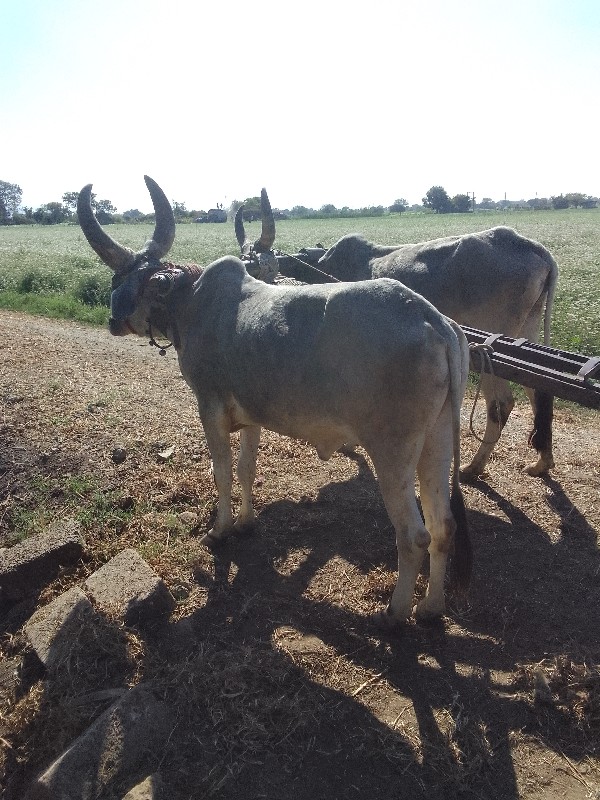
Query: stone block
{"x": 52, "y": 629}
{"x": 128, "y": 586}
{"x": 126, "y": 741}
{"x": 28, "y": 566}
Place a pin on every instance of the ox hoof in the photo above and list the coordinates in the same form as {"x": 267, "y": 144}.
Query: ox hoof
{"x": 212, "y": 540}
{"x": 425, "y": 612}
{"x": 244, "y": 528}
{"x": 538, "y": 469}
{"x": 470, "y": 475}
{"x": 386, "y": 621}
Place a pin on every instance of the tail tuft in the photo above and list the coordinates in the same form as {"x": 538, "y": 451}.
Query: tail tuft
{"x": 461, "y": 566}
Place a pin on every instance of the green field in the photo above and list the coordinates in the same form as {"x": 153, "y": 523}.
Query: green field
{"x": 51, "y": 270}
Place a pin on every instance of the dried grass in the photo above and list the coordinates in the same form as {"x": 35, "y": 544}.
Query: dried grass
{"x": 275, "y": 677}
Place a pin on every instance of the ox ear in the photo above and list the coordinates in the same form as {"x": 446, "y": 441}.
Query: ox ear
{"x": 161, "y": 283}
{"x": 116, "y": 256}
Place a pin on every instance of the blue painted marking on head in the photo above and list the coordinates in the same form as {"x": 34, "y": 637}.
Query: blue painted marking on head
{"x": 122, "y": 302}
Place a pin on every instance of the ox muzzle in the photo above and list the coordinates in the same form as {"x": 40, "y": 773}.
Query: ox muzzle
{"x": 127, "y": 291}
{"x": 122, "y": 305}
{"x": 125, "y": 296}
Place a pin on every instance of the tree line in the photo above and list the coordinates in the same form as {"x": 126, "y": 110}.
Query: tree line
{"x": 436, "y": 200}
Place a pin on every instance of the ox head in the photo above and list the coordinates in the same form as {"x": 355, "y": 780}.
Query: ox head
{"x": 348, "y": 259}
{"x": 140, "y": 280}
{"x": 258, "y": 257}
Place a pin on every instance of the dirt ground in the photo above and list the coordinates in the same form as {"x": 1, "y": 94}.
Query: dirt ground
{"x": 279, "y": 685}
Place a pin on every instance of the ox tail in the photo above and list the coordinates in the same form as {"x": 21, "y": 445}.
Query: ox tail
{"x": 462, "y": 560}
{"x": 541, "y": 435}
{"x": 550, "y": 287}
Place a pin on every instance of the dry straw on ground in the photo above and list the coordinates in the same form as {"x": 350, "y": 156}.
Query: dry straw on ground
{"x": 279, "y": 685}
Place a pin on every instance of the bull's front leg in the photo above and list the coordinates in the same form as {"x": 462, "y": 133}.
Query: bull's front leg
{"x": 216, "y": 431}
{"x": 246, "y": 473}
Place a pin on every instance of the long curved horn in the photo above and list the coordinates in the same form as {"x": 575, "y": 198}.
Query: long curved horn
{"x": 115, "y": 255}
{"x": 267, "y": 237}
{"x": 240, "y": 233}
{"x": 164, "y": 231}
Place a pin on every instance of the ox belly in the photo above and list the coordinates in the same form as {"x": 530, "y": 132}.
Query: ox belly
{"x": 325, "y": 435}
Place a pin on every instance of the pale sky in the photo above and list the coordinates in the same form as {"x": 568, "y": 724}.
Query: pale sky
{"x": 320, "y": 101}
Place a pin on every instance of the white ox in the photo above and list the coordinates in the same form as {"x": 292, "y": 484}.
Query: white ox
{"x": 494, "y": 280}
{"x": 370, "y": 362}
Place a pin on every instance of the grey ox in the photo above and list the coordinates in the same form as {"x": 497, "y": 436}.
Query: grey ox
{"x": 370, "y": 362}
{"x": 494, "y": 280}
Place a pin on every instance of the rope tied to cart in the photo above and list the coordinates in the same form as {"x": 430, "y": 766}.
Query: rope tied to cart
{"x": 484, "y": 351}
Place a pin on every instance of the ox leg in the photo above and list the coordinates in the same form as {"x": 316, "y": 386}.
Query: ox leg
{"x": 412, "y": 539}
{"x": 246, "y": 473}
{"x": 219, "y": 445}
{"x": 433, "y": 471}
{"x": 499, "y": 402}
{"x": 541, "y": 436}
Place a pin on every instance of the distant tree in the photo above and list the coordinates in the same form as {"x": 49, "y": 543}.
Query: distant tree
{"x": 371, "y": 211}
{"x": 576, "y": 199}
{"x": 559, "y": 202}
{"x": 103, "y": 208}
{"x": 461, "y": 203}
{"x": 70, "y": 200}
{"x": 103, "y": 217}
{"x": 52, "y": 214}
{"x": 398, "y": 206}
{"x": 10, "y": 200}
{"x": 251, "y": 210}
{"x": 539, "y": 203}
{"x": 437, "y": 200}
{"x": 133, "y": 213}
{"x": 487, "y": 204}
{"x": 300, "y": 212}
{"x": 179, "y": 210}
{"x": 104, "y": 205}
{"x": 329, "y": 210}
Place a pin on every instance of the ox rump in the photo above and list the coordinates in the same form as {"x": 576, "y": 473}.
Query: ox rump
{"x": 369, "y": 362}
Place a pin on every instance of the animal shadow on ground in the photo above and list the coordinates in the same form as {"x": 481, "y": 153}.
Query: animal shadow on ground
{"x": 450, "y": 685}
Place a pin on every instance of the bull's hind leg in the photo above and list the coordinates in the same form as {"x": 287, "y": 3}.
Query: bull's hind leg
{"x": 541, "y": 403}
{"x": 499, "y": 403}
{"x": 396, "y": 476}
{"x": 246, "y": 473}
{"x": 433, "y": 472}
{"x": 541, "y": 436}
